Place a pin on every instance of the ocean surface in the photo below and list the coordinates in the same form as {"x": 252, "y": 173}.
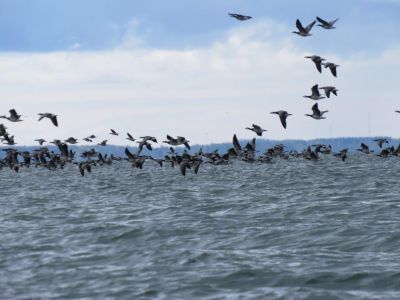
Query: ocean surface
{"x": 292, "y": 229}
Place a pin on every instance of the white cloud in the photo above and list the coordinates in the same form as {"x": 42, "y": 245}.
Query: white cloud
{"x": 206, "y": 94}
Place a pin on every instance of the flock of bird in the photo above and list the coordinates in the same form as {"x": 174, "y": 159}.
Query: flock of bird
{"x": 49, "y": 159}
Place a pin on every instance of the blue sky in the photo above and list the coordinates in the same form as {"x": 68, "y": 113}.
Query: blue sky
{"x": 164, "y": 67}
{"x": 48, "y": 25}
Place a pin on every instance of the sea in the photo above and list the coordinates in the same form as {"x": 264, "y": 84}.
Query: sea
{"x": 290, "y": 229}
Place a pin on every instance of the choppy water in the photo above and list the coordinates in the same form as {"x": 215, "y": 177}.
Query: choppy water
{"x": 289, "y": 230}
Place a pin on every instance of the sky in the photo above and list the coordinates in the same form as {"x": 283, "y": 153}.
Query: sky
{"x": 186, "y": 68}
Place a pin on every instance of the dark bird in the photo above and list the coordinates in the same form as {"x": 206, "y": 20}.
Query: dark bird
{"x": 130, "y": 137}
{"x": 331, "y": 67}
{"x": 317, "y": 114}
{"x": 103, "y": 143}
{"x": 303, "y": 31}
{"x": 317, "y": 61}
{"x": 364, "y": 149}
{"x": 71, "y": 140}
{"x": 315, "y": 95}
{"x": 14, "y": 117}
{"x": 256, "y": 129}
{"x": 240, "y": 17}
{"x": 52, "y": 117}
{"x": 381, "y": 142}
{"x": 113, "y": 132}
{"x": 40, "y": 141}
{"x": 327, "y": 24}
{"x": 283, "y": 114}
{"x": 328, "y": 90}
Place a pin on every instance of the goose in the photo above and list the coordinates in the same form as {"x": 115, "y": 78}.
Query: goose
{"x": 14, "y": 117}
{"x": 327, "y": 24}
{"x": 52, "y": 117}
{"x": 256, "y": 129}
{"x": 130, "y": 137}
{"x": 113, "y": 132}
{"x": 315, "y": 95}
{"x": 103, "y": 143}
{"x": 381, "y": 142}
{"x": 328, "y": 90}
{"x": 303, "y": 31}
{"x": 331, "y": 67}
{"x": 283, "y": 114}
{"x": 40, "y": 141}
{"x": 71, "y": 140}
{"x": 239, "y": 17}
{"x": 317, "y": 114}
{"x": 317, "y": 61}
{"x": 364, "y": 149}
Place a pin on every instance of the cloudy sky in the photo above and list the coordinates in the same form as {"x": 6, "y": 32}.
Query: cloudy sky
{"x": 184, "y": 67}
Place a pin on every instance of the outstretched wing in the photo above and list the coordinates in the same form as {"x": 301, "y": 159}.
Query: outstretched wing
{"x": 53, "y": 120}
{"x": 299, "y": 25}
{"x": 308, "y": 28}
{"x": 323, "y": 22}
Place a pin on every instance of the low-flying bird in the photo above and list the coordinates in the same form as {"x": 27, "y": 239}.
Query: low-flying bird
{"x": 315, "y": 95}
{"x": 51, "y": 116}
{"x": 327, "y": 24}
{"x": 256, "y": 129}
{"x": 103, "y": 143}
{"x": 328, "y": 90}
{"x": 240, "y": 17}
{"x": 130, "y": 137}
{"x": 317, "y": 114}
{"x": 71, "y": 140}
{"x": 364, "y": 149}
{"x": 40, "y": 141}
{"x": 14, "y": 117}
{"x": 303, "y": 31}
{"x": 283, "y": 114}
{"x": 331, "y": 67}
{"x": 317, "y": 61}
{"x": 113, "y": 132}
{"x": 381, "y": 142}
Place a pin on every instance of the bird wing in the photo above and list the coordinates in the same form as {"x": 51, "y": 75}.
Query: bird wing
{"x": 129, "y": 135}
{"x": 256, "y": 127}
{"x": 333, "y": 22}
{"x": 236, "y": 144}
{"x": 41, "y": 116}
{"x": 299, "y": 25}
{"x": 53, "y": 120}
{"x": 364, "y": 146}
{"x": 333, "y": 70}
{"x": 113, "y": 131}
{"x": 318, "y": 65}
{"x": 323, "y": 22}
{"x": 13, "y": 113}
{"x": 308, "y": 28}
{"x": 315, "y": 109}
{"x": 315, "y": 90}
{"x": 283, "y": 120}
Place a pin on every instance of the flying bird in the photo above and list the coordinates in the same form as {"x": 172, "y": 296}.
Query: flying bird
{"x": 303, "y": 31}
{"x": 328, "y": 90}
{"x": 317, "y": 61}
{"x": 315, "y": 95}
{"x": 327, "y": 24}
{"x": 14, "y": 117}
{"x": 130, "y": 137}
{"x": 256, "y": 129}
{"x": 317, "y": 114}
{"x": 283, "y": 114}
{"x": 113, "y": 132}
{"x": 331, "y": 67}
{"x": 52, "y": 117}
{"x": 240, "y": 17}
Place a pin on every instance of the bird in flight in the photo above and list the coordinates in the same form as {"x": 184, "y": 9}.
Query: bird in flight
{"x": 240, "y": 17}
{"x": 303, "y": 31}
{"x": 52, "y": 117}
{"x": 283, "y": 114}
{"x": 327, "y": 24}
{"x": 14, "y": 117}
